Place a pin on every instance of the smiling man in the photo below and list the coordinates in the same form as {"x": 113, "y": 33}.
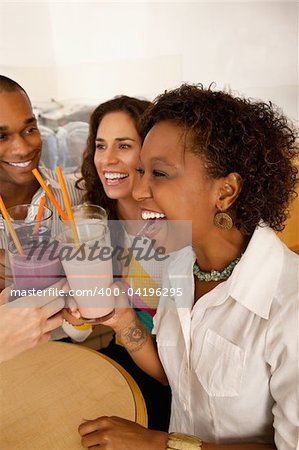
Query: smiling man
{"x": 20, "y": 144}
{"x": 20, "y": 152}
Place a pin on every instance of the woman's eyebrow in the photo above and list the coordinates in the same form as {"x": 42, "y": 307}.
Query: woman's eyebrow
{"x": 163, "y": 161}
{"x": 117, "y": 139}
{"x": 124, "y": 139}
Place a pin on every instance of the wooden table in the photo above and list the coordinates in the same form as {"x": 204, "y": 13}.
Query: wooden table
{"x": 46, "y": 392}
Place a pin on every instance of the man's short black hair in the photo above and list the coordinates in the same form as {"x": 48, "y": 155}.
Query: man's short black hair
{"x": 9, "y": 85}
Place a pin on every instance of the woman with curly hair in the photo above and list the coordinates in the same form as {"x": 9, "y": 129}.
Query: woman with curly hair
{"x": 229, "y": 349}
{"x": 112, "y": 155}
{"x": 108, "y": 174}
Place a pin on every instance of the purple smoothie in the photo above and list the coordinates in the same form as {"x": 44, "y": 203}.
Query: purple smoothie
{"x": 34, "y": 271}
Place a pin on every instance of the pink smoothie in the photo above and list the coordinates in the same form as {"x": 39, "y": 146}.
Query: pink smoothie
{"x": 90, "y": 281}
{"x": 89, "y": 276}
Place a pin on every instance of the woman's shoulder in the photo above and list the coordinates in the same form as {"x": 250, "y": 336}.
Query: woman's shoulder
{"x": 289, "y": 276}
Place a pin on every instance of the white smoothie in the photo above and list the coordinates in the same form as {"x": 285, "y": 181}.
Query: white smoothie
{"x": 89, "y": 281}
{"x": 90, "y": 273}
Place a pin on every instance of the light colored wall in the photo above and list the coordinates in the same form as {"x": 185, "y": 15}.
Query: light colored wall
{"x": 91, "y": 51}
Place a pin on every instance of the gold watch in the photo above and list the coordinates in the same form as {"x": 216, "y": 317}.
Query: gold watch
{"x": 180, "y": 441}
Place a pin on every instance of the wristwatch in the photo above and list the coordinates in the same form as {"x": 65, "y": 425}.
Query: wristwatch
{"x": 180, "y": 441}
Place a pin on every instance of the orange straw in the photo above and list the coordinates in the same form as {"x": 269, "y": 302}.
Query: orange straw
{"x": 11, "y": 228}
{"x": 39, "y": 214}
{"x": 67, "y": 204}
{"x": 49, "y": 193}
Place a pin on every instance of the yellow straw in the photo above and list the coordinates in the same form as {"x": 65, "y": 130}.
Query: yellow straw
{"x": 11, "y": 228}
{"x": 49, "y": 194}
{"x": 39, "y": 214}
{"x": 67, "y": 204}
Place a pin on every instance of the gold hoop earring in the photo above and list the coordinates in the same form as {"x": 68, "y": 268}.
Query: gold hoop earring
{"x": 223, "y": 221}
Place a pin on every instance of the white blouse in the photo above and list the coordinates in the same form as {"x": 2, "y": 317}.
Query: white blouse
{"x": 232, "y": 358}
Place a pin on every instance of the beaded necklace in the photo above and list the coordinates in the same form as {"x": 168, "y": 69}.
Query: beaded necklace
{"x": 214, "y": 275}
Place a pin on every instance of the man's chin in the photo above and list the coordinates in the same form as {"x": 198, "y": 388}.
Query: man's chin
{"x": 25, "y": 178}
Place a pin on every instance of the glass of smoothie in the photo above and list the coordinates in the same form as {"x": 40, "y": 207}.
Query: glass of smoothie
{"x": 88, "y": 267}
{"x": 38, "y": 268}
{"x": 87, "y": 214}
{"x": 24, "y": 221}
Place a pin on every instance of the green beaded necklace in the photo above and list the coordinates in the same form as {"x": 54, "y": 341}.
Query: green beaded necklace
{"x": 214, "y": 275}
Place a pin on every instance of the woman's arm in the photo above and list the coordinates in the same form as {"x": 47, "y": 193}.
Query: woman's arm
{"x": 141, "y": 346}
{"x": 139, "y": 343}
{"x": 115, "y": 433}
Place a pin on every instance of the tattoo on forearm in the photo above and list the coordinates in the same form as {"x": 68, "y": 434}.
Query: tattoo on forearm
{"x": 133, "y": 337}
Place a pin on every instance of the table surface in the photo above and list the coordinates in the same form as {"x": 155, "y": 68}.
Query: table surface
{"x": 46, "y": 392}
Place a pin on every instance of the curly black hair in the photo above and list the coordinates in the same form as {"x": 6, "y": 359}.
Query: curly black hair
{"x": 90, "y": 181}
{"x": 233, "y": 134}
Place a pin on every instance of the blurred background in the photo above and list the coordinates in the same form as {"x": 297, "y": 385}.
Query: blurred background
{"x": 87, "y": 52}
{"x": 70, "y": 56}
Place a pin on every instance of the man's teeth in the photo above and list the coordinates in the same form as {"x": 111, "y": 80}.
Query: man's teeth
{"x": 152, "y": 215}
{"x": 115, "y": 175}
{"x": 21, "y": 164}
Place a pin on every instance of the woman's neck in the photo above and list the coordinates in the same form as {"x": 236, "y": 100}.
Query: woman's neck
{"x": 220, "y": 249}
{"x": 217, "y": 253}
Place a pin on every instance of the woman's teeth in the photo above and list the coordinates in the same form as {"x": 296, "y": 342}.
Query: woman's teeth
{"x": 152, "y": 215}
{"x": 152, "y": 225}
{"x": 20, "y": 164}
{"x": 115, "y": 175}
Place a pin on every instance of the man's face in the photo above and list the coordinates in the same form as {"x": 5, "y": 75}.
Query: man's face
{"x": 20, "y": 140}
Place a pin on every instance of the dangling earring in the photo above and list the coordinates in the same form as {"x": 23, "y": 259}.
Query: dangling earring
{"x": 223, "y": 221}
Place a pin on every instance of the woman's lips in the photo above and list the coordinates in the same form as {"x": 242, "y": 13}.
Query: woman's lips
{"x": 115, "y": 178}
{"x": 146, "y": 215}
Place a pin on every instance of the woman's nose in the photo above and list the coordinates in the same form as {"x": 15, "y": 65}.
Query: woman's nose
{"x": 141, "y": 190}
{"x": 109, "y": 157}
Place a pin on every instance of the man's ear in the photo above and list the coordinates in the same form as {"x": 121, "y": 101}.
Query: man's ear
{"x": 229, "y": 189}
